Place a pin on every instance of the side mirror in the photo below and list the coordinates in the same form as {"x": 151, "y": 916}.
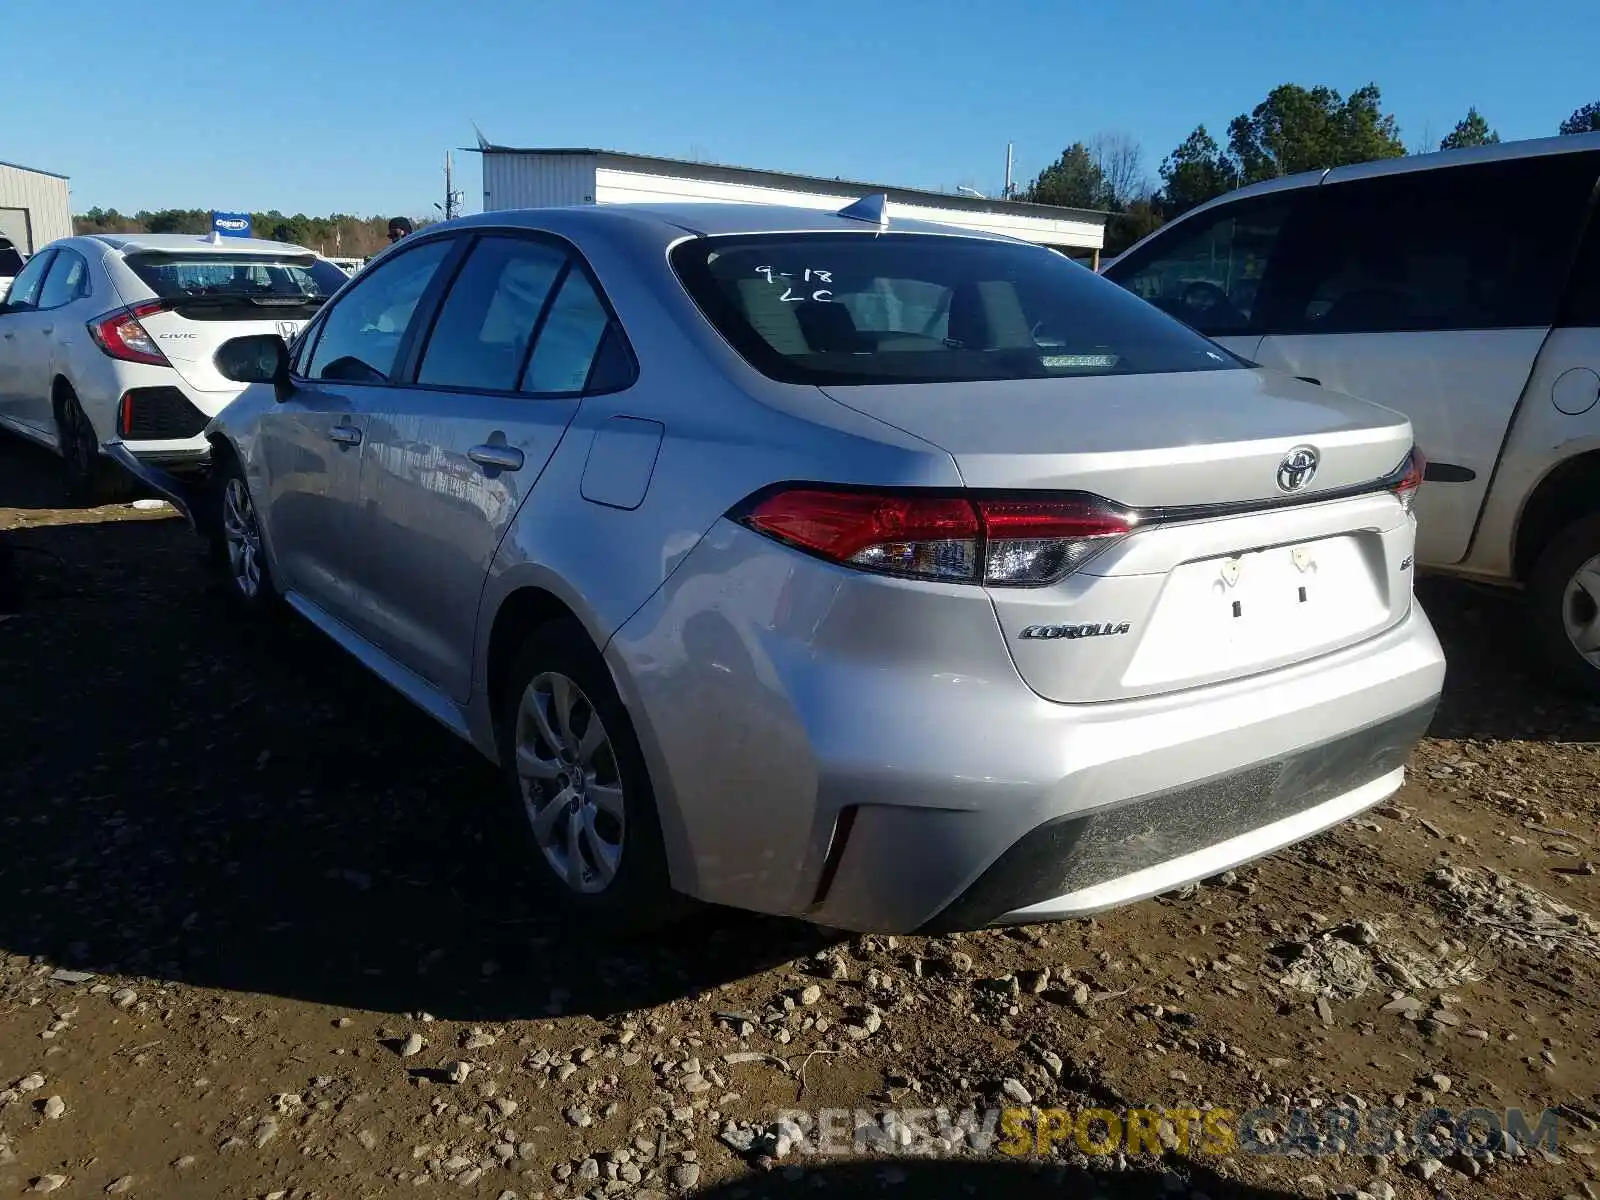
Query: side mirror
{"x": 257, "y": 358}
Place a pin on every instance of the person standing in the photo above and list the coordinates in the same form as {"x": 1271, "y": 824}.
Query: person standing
{"x": 399, "y": 227}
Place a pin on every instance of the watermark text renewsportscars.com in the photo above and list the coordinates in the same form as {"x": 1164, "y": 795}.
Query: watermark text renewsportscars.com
{"x": 1200, "y": 1132}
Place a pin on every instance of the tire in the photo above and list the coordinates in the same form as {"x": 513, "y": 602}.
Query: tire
{"x": 620, "y": 882}
{"x": 1565, "y": 607}
{"x": 92, "y": 479}
{"x": 238, "y": 550}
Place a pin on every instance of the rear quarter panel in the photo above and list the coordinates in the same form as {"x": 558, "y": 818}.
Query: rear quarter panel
{"x": 1541, "y": 438}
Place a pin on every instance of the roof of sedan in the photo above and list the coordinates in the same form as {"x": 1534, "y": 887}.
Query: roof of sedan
{"x": 709, "y": 219}
{"x": 194, "y": 243}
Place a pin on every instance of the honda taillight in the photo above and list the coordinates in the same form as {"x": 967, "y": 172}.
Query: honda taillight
{"x": 1415, "y": 468}
{"x": 940, "y": 536}
{"x": 121, "y": 335}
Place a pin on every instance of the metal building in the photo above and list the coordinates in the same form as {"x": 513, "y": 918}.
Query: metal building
{"x": 34, "y": 208}
{"x": 542, "y": 177}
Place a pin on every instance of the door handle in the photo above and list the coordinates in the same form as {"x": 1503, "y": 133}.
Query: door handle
{"x": 345, "y": 435}
{"x": 504, "y": 458}
{"x": 47, "y": 329}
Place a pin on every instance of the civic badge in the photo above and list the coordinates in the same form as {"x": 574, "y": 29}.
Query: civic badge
{"x": 1298, "y": 468}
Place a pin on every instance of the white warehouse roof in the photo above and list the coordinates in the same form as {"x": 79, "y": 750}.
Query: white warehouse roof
{"x": 537, "y": 177}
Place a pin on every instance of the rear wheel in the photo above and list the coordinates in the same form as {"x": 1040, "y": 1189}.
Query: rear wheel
{"x": 91, "y": 477}
{"x": 574, "y": 769}
{"x": 1564, "y": 592}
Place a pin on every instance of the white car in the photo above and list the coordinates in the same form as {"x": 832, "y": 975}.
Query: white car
{"x": 110, "y": 337}
{"x": 1483, "y": 329}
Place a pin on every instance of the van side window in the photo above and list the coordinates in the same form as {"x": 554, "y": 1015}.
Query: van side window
{"x": 1208, "y": 272}
{"x": 1583, "y": 290}
{"x": 1435, "y": 249}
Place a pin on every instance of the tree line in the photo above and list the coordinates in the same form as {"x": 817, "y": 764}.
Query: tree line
{"x": 1294, "y": 129}
{"x": 339, "y": 235}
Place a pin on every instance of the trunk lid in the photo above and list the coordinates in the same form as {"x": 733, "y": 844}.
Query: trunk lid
{"x": 1226, "y": 573}
{"x": 1202, "y": 437}
{"x": 190, "y": 333}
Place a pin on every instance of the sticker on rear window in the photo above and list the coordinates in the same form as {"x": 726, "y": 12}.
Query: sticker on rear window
{"x": 806, "y": 277}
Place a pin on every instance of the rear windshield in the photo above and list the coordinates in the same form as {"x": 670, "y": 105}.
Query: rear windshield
{"x": 850, "y": 308}
{"x": 176, "y": 277}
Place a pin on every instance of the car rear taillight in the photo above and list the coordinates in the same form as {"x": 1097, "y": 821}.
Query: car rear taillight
{"x": 953, "y": 537}
{"x": 1414, "y": 469}
{"x": 120, "y": 334}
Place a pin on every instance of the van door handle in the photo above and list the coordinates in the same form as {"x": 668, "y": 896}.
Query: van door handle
{"x": 503, "y": 458}
{"x": 345, "y": 435}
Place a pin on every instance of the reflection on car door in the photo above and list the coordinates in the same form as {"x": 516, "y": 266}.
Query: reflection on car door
{"x": 451, "y": 458}
{"x": 22, "y": 345}
{"x": 311, "y": 444}
{"x": 1440, "y": 316}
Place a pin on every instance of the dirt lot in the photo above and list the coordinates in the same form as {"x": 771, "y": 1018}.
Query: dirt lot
{"x": 237, "y": 877}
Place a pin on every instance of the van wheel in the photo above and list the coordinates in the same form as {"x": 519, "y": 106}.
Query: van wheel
{"x": 92, "y": 479}
{"x": 573, "y": 767}
{"x": 1564, "y": 591}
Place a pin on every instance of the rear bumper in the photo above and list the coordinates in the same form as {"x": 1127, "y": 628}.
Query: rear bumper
{"x": 175, "y": 473}
{"x": 1079, "y": 864}
{"x": 862, "y": 753}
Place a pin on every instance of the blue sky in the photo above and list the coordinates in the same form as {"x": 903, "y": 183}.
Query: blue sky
{"x": 349, "y": 106}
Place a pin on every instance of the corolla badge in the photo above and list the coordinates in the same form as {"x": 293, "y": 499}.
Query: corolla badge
{"x": 1050, "y": 633}
{"x": 1298, "y": 468}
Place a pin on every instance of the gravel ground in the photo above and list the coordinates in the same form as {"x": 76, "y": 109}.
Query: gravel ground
{"x": 261, "y": 936}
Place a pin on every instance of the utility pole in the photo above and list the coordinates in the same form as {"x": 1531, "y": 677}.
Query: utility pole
{"x": 1006, "y": 191}
{"x": 452, "y": 198}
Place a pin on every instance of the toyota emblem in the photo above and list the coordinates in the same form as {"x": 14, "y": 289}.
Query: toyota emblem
{"x": 1298, "y": 468}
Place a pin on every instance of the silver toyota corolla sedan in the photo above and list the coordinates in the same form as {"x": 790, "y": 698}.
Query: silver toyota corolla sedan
{"x": 826, "y": 564}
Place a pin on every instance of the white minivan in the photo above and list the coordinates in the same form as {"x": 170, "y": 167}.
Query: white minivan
{"x": 1461, "y": 288}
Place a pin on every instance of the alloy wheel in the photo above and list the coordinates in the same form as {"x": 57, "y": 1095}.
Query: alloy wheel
{"x": 570, "y": 784}
{"x": 1580, "y": 611}
{"x": 242, "y": 534}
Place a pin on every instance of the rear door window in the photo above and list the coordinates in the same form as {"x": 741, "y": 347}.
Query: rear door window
{"x": 481, "y": 336}
{"x": 1448, "y": 249}
{"x": 25, "y": 288}
{"x": 569, "y": 339}
{"x": 68, "y": 280}
{"x": 1208, "y": 271}
{"x": 846, "y": 308}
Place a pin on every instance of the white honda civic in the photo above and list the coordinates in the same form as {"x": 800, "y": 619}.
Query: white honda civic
{"x": 110, "y": 337}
